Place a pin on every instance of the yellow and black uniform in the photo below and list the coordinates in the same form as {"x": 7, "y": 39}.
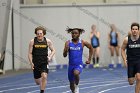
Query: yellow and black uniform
{"x": 133, "y": 57}
{"x": 40, "y": 60}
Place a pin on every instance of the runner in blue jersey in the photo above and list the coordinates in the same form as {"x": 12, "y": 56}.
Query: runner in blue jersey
{"x": 113, "y": 44}
{"x": 74, "y": 48}
{"x": 94, "y": 37}
{"x": 131, "y": 55}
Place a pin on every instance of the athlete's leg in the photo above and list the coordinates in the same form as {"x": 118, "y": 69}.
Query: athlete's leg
{"x": 118, "y": 54}
{"x": 37, "y": 75}
{"x": 72, "y": 87}
{"x": 131, "y": 72}
{"x": 117, "y": 50}
{"x": 77, "y": 78}
{"x": 44, "y": 74}
{"x": 76, "y": 75}
{"x": 94, "y": 51}
{"x": 137, "y": 88}
{"x": 71, "y": 78}
{"x": 97, "y": 56}
{"x": 131, "y": 80}
{"x": 77, "y": 71}
{"x": 43, "y": 81}
{"x": 112, "y": 54}
{"x": 38, "y": 81}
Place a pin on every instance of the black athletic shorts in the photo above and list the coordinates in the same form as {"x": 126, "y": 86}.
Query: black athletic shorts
{"x": 95, "y": 46}
{"x": 38, "y": 69}
{"x": 114, "y": 44}
{"x": 133, "y": 68}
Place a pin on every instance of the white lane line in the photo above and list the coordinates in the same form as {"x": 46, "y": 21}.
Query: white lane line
{"x": 98, "y": 82}
{"x": 101, "y": 79}
{"x": 103, "y": 91}
{"x": 103, "y": 85}
{"x": 16, "y": 89}
{"x": 15, "y": 82}
{"x": 30, "y": 84}
{"x": 54, "y": 82}
{"x": 99, "y": 86}
{"x": 49, "y": 88}
{"x": 80, "y": 88}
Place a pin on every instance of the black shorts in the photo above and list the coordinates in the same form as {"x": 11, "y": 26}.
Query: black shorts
{"x": 114, "y": 44}
{"x": 38, "y": 69}
{"x": 95, "y": 46}
{"x": 133, "y": 68}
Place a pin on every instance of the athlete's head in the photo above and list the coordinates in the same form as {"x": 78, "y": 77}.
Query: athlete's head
{"x": 93, "y": 27}
{"x": 40, "y": 32}
{"x": 75, "y": 32}
{"x": 135, "y": 29}
{"x": 113, "y": 28}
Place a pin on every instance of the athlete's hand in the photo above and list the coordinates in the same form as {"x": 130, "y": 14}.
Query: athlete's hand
{"x": 32, "y": 66}
{"x": 109, "y": 47}
{"x": 49, "y": 59}
{"x": 67, "y": 47}
{"x": 125, "y": 63}
{"x": 87, "y": 62}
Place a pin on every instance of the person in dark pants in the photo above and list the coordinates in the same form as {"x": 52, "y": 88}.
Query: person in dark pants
{"x": 74, "y": 48}
{"x": 130, "y": 51}
{"x": 39, "y": 58}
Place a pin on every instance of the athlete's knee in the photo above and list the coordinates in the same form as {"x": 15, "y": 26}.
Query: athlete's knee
{"x": 138, "y": 76}
{"x": 76, "y": 72}
{"x": 37, "y": 81}
{"x": 44, "y": 76}
{"x": 131, "y": 81}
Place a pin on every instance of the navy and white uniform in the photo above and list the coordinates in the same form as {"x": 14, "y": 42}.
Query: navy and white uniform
{"x": 133, "y": 57}
{"x": 113, "y": 39}
{"x": 75, "y": 58}
{"x": 95, "y": 41}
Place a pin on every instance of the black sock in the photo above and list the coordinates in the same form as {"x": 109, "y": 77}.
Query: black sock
{"x": 41, "y": 91}
{"x": 97, "y": 60}
{"x": 93, "y": 60}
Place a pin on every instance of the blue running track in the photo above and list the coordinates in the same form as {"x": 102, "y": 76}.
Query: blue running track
{"x": 93, "y": 80}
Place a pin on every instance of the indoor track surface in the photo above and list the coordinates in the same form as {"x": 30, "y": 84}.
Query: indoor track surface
{"x": 95, "y": 80}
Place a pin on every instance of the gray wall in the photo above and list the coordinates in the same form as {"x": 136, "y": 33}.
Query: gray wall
{"x": 57, "y": 18}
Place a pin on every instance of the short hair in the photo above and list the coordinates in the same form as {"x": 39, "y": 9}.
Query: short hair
{"x": 135, "y": 24}
{"x": 40, "y": 28}
{"x": 69, "y": 30}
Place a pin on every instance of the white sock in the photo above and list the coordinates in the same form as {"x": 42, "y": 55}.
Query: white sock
{"x": 119, "y": 59}
{"x": 112, "y": 59}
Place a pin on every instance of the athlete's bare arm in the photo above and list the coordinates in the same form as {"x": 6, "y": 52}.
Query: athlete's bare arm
{"x": 51, "y": 47}
{"x": 91, "y": 34}
{"x": 66, "y": 48}
{"x": 98, "y": 34}
{"x": 30, "y": 53}
{"x": 88, "y": 45}
{"x": 123, "y": 53}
